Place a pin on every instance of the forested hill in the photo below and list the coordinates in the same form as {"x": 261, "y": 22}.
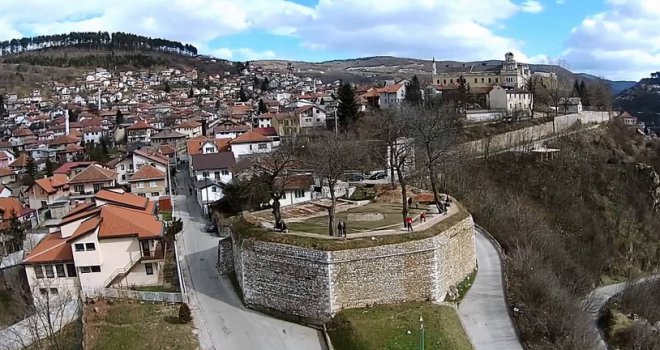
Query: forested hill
{"x": 95, "y": 41}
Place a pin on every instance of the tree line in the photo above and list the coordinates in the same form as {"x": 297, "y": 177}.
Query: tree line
{"x": 95, "y": 41}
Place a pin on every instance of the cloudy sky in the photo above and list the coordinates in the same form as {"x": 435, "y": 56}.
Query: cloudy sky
{"x": 617, "y": 39}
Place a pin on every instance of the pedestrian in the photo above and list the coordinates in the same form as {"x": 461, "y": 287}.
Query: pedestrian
{"x": 190, "y": 190}
{"x": 343, "y": 228}
{"x": 422, "y": 216}
{"x": 409, "y": 223}
{"x": 284, "y": 228}
{"x": 409, "y": 202}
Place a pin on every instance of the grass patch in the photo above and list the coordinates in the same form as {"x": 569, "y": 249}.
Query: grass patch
{"x": 124, "y": 325}
{"x": 244, "y": 230}
{"x": 386, "y": 327}
{"x": 162, "y": 289}
{"x": 391, "y": 216}
{"x": 464, "y": 286}
{"x": 69, "y": 337}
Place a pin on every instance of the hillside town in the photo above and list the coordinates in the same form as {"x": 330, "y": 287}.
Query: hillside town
{"x": 89, "y": 169}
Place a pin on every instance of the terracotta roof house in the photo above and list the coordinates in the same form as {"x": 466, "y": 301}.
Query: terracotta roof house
{"x": 230, "y": 131}
{"x": 296, "y": 188}
{"x": 91, "y": 180}
{"x": 97, "y": 246}
{"x": 10, "y": 207}
{"x": 203, "y": 145}
{"x": 72, "y": 168}
{"x": 189, "y": 128}
{"x": 149, "y": 182}
{"x": 139, "y": 132}
{"x": 20, "y": 163}
{"x": 7, "y": 176}
{"x": 252, "y": 142}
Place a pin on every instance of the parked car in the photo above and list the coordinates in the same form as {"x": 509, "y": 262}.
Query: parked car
{"x": 357, "y": 177}
{"x": 211, "y": 228}
{"x": 378, "y": 176}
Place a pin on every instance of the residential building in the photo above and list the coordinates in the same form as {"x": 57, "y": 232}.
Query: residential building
{"x": 310, "y": 116}
{"x": 570, "y": 105}
{"x": 511, "y": 100}
{"x": 172, "y": 138}
{"x": 296, "y": 189}
{"x": 141, "y": 131}
{"x": 49, "y": 197}
{"x": 391, "y": 96}
{"x": 147, "y": 156}
{"x": 11, "y": 207}
{"x": 149, "y": 182}
{"x": 85, "y": 184}
{"x": 189, "y": 128}
{"x": 207, "y": 192}
{"x": 216, "y": 166}
{"x": 250, "y": 143}
{"x": 6, "y": 158}
{"x": 7, "y": 176}
{"x": 114, "y": 242}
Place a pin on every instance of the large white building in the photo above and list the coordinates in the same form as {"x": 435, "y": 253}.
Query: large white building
{"x": 507, "y": 73}
{"x": 115, "y": 241}
{"x": 511, "y": 100}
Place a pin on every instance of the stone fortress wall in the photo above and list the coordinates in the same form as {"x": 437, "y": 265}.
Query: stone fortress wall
{"x": 314, "y": 285}
{"x": 526, "y": 137}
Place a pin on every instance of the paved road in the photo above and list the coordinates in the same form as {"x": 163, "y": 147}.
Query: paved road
{"x": 483, "y": 310}
{"x": 599, "y": 297}
{"x": 222, "y": 321}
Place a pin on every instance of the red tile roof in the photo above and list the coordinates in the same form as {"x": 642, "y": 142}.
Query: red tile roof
{"x": 50, "y": 184}
{"x": 10, "y": 206}
{"x": 139, "y": 125}
{"x": 123, "y": 199}
{"x": 194, "y": 145}
{"x": 159, "y": 158}
{"x": 6, "y": 172}
{"x": 20, "y": 162}
{"x": 269, "y": 131}
{"x": 122, "y": 222}
{"x": 66, "y": 168}
{"x": 249, "y": 137}
{"x": 188, "y": 124}
{"x": 94, "y": 173}
{"x": 52, "y": 248}
{"x": 147, "y": 172}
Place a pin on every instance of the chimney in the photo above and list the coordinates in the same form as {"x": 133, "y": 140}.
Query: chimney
{"x": 66, "y": 122}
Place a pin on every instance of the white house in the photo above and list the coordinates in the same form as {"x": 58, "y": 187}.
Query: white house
{"x": 115, "y": 242}
{"x": 570, "y": 105}
{"x": 215, "y": 166}
{"x": 207, "y": 192}
{"x": 144, "y": 156}
{"x": 296, "y": 189}
{"x": 190, "y": 128}
{"x": 252, "y": 142}
{"x": 391, "y": 95}
{"x": 511, "y": 100}
{"x": 310, "y": 116}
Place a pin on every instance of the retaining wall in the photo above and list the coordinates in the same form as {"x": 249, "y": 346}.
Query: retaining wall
{"x": 315, "y": 285}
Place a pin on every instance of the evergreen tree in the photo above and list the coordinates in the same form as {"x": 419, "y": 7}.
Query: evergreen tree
{"x": 119, "y": 118}
{"x": 31, "y": 168}
{"x": 262, "y": 107}
{"x": 50, "y": 167}
{"x": 413, "y": 91}
{"x": 167, "y": 87}
{"x": 73, "y": 115}
{"x": 2, "y": 105}
{"x": 463, "y": 94}
{"x": 242, "y": 97}
{"x": 576, "y": 89}
{"x": 190, "y": 93}
{"x": 347, "y": 110}
{"x": 265, "y": 84}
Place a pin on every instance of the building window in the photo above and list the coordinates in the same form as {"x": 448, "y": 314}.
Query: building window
{"x": 59, "y": 269}
{"x": 283, "y": 196}
{"x": 142, "y": 195}
{"x": 451, "y": 81}
{"x": 53, "y": 291}
{"x": 299, "y": 193}
{"x": 475, "y": 80}
{"x": 85, "y": 269}
{"x": 43, "y": 291}
{"x": 140, "y": 185}
{"x": 38, "y": 271}
{"x": 152, "y": 184}
{"x": 209, "y": 150}
{"x": 263, "y": 146}
{"x": 90, "y": 246}
{"x": 123, "y": 167}
{"x": 497, "y": 80}
{"x": 79, "y": 188}
{"x": 49, "y": 271}
{"x": 71, "y": 270}
{"x": 97, "y": 187}
{"x": 149, "y": 269}
{"x": 216, "y": 175}
{"x": 225, "y": 172}
{"x": 79, "y": 247}
{"x": 205, "y": 174}
{"x": 123, "y": 178}
{"x": 482, "y": 80}
{"x": 155, "y": 194}
{"x": 489, "y": 80}
{"x": 214, "y": 189}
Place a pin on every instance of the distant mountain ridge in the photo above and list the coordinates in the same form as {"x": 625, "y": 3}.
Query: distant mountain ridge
{"x": 642, "y": 100}
{"x": 365, "y": 69}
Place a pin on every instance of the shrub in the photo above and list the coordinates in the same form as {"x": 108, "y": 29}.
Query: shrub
{"x": 184, "y": 313}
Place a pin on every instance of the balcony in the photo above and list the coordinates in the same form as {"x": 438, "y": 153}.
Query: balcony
{"x": 157, "y": 253}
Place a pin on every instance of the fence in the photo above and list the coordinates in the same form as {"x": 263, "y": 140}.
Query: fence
{"x": 132, "y": 295}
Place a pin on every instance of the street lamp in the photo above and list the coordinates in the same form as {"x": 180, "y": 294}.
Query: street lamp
{"x": 421, "y": 333}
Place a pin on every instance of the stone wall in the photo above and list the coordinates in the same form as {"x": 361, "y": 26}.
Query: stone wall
{"x": 314, "y": 285}
{"x": 527, "y": 136}
{"x": 225, "y": 256}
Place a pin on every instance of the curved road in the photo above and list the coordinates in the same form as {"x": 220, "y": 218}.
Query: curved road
{"x": 483, "y": 310}
{"x": 222, "y": 321}
{"x": 599, "y": 297}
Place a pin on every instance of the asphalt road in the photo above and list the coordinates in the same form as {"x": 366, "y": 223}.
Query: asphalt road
{"x": 483, "y": 310}
{"x": 222, "y": 321}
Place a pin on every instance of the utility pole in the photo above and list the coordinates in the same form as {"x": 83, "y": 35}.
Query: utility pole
{"x": 336, "y": 132}
{"x": 206, "y": 184}
{"x": 421, "y": 333}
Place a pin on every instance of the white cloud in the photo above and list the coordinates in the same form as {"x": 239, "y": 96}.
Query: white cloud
{"x": 249, "y": 54}
{"x": 222, "y": 52}
{"x": 623, "y": 42}
{"x": 531, "y": 6}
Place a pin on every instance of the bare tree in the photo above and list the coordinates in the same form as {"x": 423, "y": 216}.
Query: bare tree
{"x": 434, "y": 130}
{"x": 273, "y": 169}
{"x": 532, "y": 84}
{"x": 556, "y": 90}
{"x": 330, "y": 156}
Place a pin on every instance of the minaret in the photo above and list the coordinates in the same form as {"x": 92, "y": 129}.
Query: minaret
{"x": 66, "y": 122}
{"x": 99, "y": 105}
{"x": 435, "y": 70}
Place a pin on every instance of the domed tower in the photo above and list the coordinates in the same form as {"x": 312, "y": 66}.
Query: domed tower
{"x": 509, "y": 62}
